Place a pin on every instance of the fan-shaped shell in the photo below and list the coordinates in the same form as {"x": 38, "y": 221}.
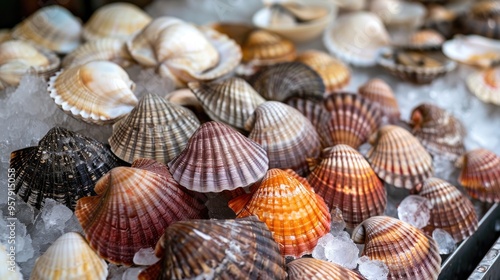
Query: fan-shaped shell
{"x": 52, "y": 27}
{"x": 438, "y": 131}
{"x": 473, "y": 49}
{"x": 480, "y": 174}
{"x": 451, "y": 210}
{"x": 398, "y": 158}
{"x": 407, "y": 252}
{"x": 380, "y": 93}
{"x": 265, "y": 48}
{"x": 132, "y": 208}
{"x": 110, "y": 49}
{"x": 315, "y": 112}
{"x": 483, "y": 19}
{"x": 64, "y": 166}
{"x": 115, "y": 20}
{"x": 313, "y": 269}
{"x": 155, "y": 129}
{"x": 219, "y": 158}
{"x": 288, "y": 137}
{"x": 345, "y": 180}
{"x": 69, "y": 257}
{"x": 486, "y": 85}
{"x": 217, "y": 249}
{"x": 295, "y": 215}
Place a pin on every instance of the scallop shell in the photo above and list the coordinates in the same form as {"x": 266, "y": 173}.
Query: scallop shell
{"x": 217, "y": 249}
{"x": 345, "y": 180}
{"x": 480, "y": 175}
{"x": 69, "y": 257}
{"x": 116, "y": 20}
{"x": 288, "y": 79}
{"x": 483, "y": 19}
{"x": 265, "y": 48}
{"x": 399, "y": 14}
{"x": 473, "y": 49}
{"x": 52, "y": 27}
{"x": 410, "y": 255}
{"x": 451, "y": 210}
{"x": 97, "y": 92}
{"x": 219, "y": 158}
{"x": 398, "y": 158}
{"x": 334, "y": 73}
{"x": 295, "y": 215}
{"x": 124, "y": 217}
{"x": 438, "y": 131}
{"x": 356, "y": 38}
{"x": 316, "y": 113}
{"x": 155, "y": 129}
{"x": 313, "y": 269}
{"x": 110, "y": 49}
{"x": 288, "y": 137}
{"x": 486, "y": 85}
{"x": 380, "y": 93}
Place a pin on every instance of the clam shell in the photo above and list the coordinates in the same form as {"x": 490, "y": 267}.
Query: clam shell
{"x": 451, "y": 210}
{"x": 345, "y": 180}
{"x": 313, "y": 269}
{"x": 52, "y": 27}
{"x": 473, "y": 49}
{"x": 217, "y": 249}
{"x": 64, "y": 166}
{"x": 265, "y": 48}
{"x": 116, "y": 20}
{"x": 483, "y": 19}
{"x": 438, "y": 131}
{"x": 480, "y": 174}
{"x": 380, "y": 93}
{"x": 407, "y": 252}
{"x": 219, "y": 158}
{"x": 288, "y": 79}
{"x": 110, "y": 49}
{"x": 69, "y": 257}
{"x": 485, "y": 85}
{"x": 98, "y": 92}
{"x": 132, "y": 208}
{"x": 398, "y": 158}
{"x": 295, "y": 215}
{"x": 155, "y": 129}
{"x": 286, "y": 135}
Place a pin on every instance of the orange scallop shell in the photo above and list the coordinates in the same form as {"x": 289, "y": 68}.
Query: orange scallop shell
{"x": 381, "y": 93}
{"x": 265, "y": 48}
{"x": 313, "y": 269}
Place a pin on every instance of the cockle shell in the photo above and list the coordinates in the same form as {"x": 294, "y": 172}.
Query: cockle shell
{"x": 132, "y": 208}
{"x": 485, "y": 85}
{"x": 155, "y": 129}
{"x": 98, "y": 92}
{"x": 286, "y": 135}
{"x": 115, "y": 20}
{"x": 295, "y": 215}
{"x": 265, "y": 48}
{"x": 483, "y": 19}
{"x": 64, "y": 166}
{"x": 217, "y": 249}
{"x": 345, "y": 180}
{"x": 451, "y": 210}
{"x": 480, "y": 175}
{"x": 219, "y": 158}
{"x": 473, "y": 49}
{"x": 52, "y": 27}
{"x": 314, "y": 269}
{"x": 438, "y": 131}
{"x": 398, "y": 158}
{"x": 407, "y": 252}
{"x": 380, "y": 93}
{"x": 315, "y": 112}
{"x": 110, "y": 49}
{"x": 69, "y": 257}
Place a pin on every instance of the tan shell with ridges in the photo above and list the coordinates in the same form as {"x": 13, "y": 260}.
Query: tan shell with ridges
{"x": 381, "y": 94}
{"x": 110, "y": 49}
{"x": 313, "y": 269}
{"x": 265, "y": 48}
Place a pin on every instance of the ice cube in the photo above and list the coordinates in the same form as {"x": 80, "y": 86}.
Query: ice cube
{"x": 145, "y": 256}
{"x": 55, "y": 214}
{"x": 342, "y": 251}
{"x": 337, "y": 224}
{"x": 319, "y": 251}
{"x": 415, "y": 210}
{"x": 373, "y": 269}
{"x": 132, "y": 273}
{"x": 445, "y": 241}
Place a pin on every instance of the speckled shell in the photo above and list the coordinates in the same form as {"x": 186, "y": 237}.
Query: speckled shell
{"x": 132, "y": 208}
{"x": 486, "y": 85}
{"x": 116, "y": 20}
{"x": 265, "y": 48}
{"x": 64, "y": 166}
{"x": 398, "y": 158}
{"x": 217, "y": 249}
{"x": 52, "y": 27}
{"x": 345, "y": 180}
{"x": 313, "y": 269}
{"x": 483, "y": 19}
{"x": 69, "y": 257}
{"x": 155, "y": 129}
{"x": 219, "y": 158}
{"x": 295, "y": 215}
{"x": 438, "y": 131}
{"x": 451, "y": 210}
{"x": 110, "y": 49}
{"x": 315, "y": 112}
{"x": 480, "y": 174}
{"x": 286, "y": 80}
{"x": 231, "y": 100}
{"x": 288, "y": 137}
{"x": 352, "y": 119}
{"x": 381, "y": 93}
{"x": 407, "y": 252}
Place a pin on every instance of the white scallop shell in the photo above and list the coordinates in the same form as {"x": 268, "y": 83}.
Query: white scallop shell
{"x": 473, "y": 49}
{"x": 486, "y": 85}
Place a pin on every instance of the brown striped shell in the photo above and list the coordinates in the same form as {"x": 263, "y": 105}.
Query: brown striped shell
{"x": 451, "y": 210}
{"x": 155, "y": 129}
{"x": 345, "y": 180}
{"x": 132, "y": 208}
{"x": 313, "y": 269}
{"x": 480, "y": 174}
{"x": 381, "y": 93}
{"x": 217, "y": 249}
{"x": 109, "y": 49}
{"x": 286, "y": 135}
{"x": 407, "y": 252}
{"x": 219, "y": 158}
{"x": 264, "y": 48}
{"x": 398, "y": 158}
{"x": 315, "y": 112}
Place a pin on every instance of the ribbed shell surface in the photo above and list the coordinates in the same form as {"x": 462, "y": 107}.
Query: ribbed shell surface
{"x": 264, "y": 48}
{"x": 109, "y": 49}
{"x": 381, "y": 94}
{"x": 314, "y": 269}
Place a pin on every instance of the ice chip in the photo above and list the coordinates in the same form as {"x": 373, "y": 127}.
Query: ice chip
{"x": 337, "y": 224}
{"x": 132, "y": 273}
{"x": 116, "y": 272}
{"x": 342, "y": 251}
{"x": 415, "y": 210}
{"x": 145, "y": 256}
{"x": 444, "y": 240}
{"x": 319, "y": 251}
{"x": 55, "y": 214}
{"x": 373, "y": 269}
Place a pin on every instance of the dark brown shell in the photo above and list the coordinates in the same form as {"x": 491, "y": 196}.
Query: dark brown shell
{"x": 309, "y": 269}
{"x": 381, "y": 94}
{"x": 483, "y": 19}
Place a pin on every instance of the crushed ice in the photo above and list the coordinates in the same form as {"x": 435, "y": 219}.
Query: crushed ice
{"x": 338, "y": 249}
{"x": 415, "y": 210}
{"x": 373, "y": 269}
{"x": 145, "y": 256}
{"x": 446, "y": 243}
{"x": 337, "y": 224}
